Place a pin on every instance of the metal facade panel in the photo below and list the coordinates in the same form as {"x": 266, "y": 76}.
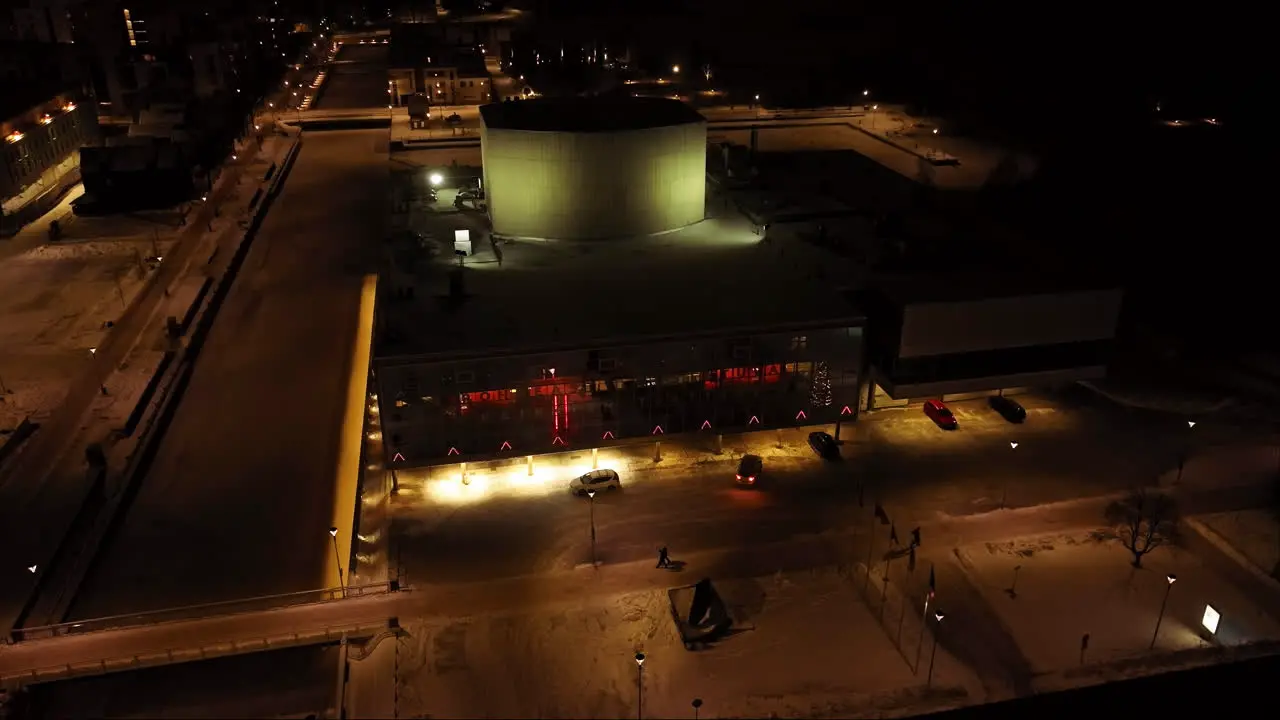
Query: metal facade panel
{"x": 594, "y": 185}
{"x": 948, "y": 328}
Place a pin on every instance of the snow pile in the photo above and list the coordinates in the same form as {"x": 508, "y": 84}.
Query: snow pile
{"x": 90, "y": 250}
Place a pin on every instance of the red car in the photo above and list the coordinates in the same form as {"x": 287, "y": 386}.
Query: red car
{"x": 940, "y": 414}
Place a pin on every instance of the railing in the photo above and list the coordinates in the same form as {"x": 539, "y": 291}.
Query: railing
{"x": 169, "y": 656}
{"x": 204, "y": 610}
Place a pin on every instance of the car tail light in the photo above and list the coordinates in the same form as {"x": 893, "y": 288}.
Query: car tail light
{"x": 738, "y": 476}
{"x": 751, "y": 479}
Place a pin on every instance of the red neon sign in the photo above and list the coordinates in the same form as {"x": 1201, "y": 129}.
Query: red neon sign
{"x": 754, "y": 420}
{"x": 846, "y": 411}
{"x": 453, "y": 451}
{"x": 608, "y": 435}
{"x": 801, "y": 416}
{"x": 557, "y": 441}
{"x": 657, "y": 430}
{"x": 397, "y": 458}
{"x": 555, "y": 411}
{"x": 706, "y": 425}
{"x": 505, "y": 446}
{"x": 566, "y": 411}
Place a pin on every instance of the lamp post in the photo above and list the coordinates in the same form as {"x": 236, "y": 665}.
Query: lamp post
{"x": 639, "y": 686}
{"x": 591, "y": 503}
{"x": 933, "y": 654}
{"x": 333, "y": 534}
{"x": 1186, "y": 447}
{"x": 697, "y": 703}
{"x": 1170, "y": 579}
{"x": 1004, "y": 489}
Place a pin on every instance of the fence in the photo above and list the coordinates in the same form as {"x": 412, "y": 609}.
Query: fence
{"x": 169, "y": 656}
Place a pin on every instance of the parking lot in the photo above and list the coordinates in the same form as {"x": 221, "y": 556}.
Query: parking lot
{"x": 505, "y": 521}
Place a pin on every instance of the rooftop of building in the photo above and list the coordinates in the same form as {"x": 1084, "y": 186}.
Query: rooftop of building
{"x": 917, "y": 289}
{"x": 588, "y": 114}
{"x": 716, "y": 276}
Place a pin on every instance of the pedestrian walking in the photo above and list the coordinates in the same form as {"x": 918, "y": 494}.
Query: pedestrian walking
{"x": 664, "y": 560}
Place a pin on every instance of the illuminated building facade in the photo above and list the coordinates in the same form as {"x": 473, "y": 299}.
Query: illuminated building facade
{"x": 447, "y": 408}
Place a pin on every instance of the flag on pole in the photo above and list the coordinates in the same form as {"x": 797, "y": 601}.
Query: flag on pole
{"x": 933, "y": 583}
{"x": 881, "y": 515}
{"x": 893, "y": 534}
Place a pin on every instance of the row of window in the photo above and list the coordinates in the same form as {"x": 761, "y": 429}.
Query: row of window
{"x": 32, "y": 154}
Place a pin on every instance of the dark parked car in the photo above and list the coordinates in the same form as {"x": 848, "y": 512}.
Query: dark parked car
{"x": 749, "y": 469}
{"x": 824, "y": 445}
{"x": 1008, "y": 408}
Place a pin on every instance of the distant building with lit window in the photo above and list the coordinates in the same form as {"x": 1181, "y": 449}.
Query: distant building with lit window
{"x": 421, "y": 64}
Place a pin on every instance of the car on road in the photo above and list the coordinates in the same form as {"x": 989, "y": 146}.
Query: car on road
{"x": 595, "y": 481}
{"x": 1008, "y": 408}
{"x": 750, "y": 467}
{"x": 825, "y": 445}
{"x": 940, "y": 414}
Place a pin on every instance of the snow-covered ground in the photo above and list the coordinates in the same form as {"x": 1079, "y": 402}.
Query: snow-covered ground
{"x": 1070, "y": 585}
{"x": 808, "y": 647}
{"x": 56, "y": 301}
{"x": 1253, "y": 533}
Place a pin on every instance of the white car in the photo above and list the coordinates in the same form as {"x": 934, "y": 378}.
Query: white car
{"x": 596, "y": 480}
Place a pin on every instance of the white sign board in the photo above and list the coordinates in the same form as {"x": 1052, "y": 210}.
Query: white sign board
{"x": 1210, "y": 619}
{"x": 462, "y": 241}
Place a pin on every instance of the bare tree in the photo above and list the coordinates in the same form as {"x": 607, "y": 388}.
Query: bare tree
{"x": 1145, "y": 520}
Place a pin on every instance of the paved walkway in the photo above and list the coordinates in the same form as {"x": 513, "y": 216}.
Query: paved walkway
{"x": 163, "y": 642}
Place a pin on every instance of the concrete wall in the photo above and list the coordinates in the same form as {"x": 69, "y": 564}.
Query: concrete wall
{"x": 947, "y": 328}
{"x": 594, "y": 185}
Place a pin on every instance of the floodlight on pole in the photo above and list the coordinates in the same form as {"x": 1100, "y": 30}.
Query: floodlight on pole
{"x": 639, "y": 686}
{"x": 436, "y": 179}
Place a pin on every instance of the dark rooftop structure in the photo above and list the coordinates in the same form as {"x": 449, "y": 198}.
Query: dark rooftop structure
{"x": 588, "y": 114}
{"x": 416, "y": 46}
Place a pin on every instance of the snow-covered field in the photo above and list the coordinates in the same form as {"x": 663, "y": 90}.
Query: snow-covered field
{"x": 807, "y": 647}
{"x": 55, "y": 302}
{"x": 1068, "y": 586}
{"x": 1254, "y": 533}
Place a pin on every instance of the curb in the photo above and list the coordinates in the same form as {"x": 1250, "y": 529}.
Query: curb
{"x": 1224, "y": 546}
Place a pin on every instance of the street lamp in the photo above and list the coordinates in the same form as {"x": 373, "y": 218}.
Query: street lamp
{"x": 436, "y": 179}
{"x": 1186, "y": 450}
{"x": 639, "y": 686}
{"x": 1004, "y": 490}
{"x": 933, "y": 654}
{"x": 333, "y": 534}
{"x": 697, "y": 703}
{"x": 591, "y": 503}
{"x": 1170, "y": 579}
{"x": 675, "y": 69}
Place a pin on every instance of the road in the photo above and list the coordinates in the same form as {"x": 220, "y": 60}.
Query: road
{"x": 1069, "y": 447}
{"x": 753, "y": 557}
{"x": 357, "y": 79}
{"x": 241, "y": 495}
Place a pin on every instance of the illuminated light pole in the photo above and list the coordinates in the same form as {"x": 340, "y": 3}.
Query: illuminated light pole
{"x": 639, "y": 686}
{"x": 1170, "y": 579}
{"x": 1004, "y": 490}
{"x": 1186, "y": 447}
{"x": 933, "y": 654}
{"x": 591, "y": 503}
{"x": 333, "y": 534}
